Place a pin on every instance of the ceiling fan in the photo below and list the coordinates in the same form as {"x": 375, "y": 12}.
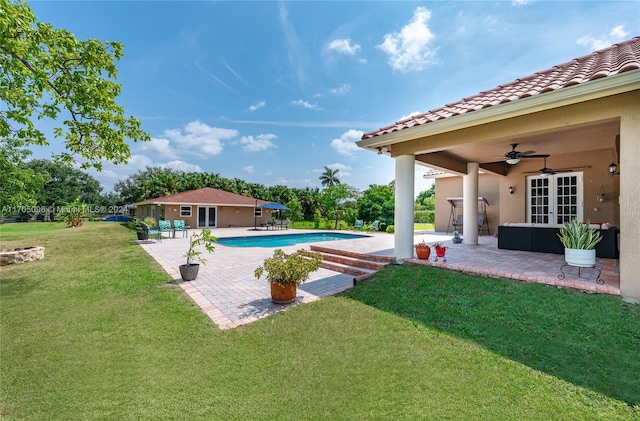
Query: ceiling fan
{"x": 513, "y": 156}
{"x": 546, "y": 171}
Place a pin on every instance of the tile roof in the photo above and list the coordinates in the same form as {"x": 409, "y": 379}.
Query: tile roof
{"x": 206, "y": 195}
{"x": 618, "y": 58}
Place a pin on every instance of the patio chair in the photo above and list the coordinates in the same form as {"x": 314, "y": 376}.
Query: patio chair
{"x": 165, "y": 226}
{"x": 374, "y": 227}
{"x": 358, "y": 225}
{"x": 178, "y": 225}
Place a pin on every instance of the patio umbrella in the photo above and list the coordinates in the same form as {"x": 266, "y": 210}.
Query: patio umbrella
{"x": 273, "y": 205}
{"x": 270, "y": 205}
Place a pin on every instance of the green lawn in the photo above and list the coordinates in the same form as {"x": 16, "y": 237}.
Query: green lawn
{"x": 94, "y": 331}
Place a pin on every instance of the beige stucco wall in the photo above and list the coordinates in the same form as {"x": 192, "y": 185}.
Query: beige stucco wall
{"x": 488, "y": 186}
{"x": 226, "y": 216}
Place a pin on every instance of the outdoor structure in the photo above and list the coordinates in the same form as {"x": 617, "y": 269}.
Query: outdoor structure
{"x": 206, "y": 208}
{"x": 579, "y": 117}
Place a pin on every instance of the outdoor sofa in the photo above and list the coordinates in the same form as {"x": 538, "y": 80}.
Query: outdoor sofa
{"x": 544, "y": 238}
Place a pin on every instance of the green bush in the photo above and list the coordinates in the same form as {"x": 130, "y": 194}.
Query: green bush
{"x": 391, "y": 229}
{"x": 428, "y": 217}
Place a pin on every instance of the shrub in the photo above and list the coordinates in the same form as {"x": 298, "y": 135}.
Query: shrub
{"x": 391, "y": 229}
{"x": 424, "y": 216}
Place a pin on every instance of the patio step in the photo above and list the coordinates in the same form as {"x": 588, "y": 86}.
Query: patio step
{"x": 360, "y": 265}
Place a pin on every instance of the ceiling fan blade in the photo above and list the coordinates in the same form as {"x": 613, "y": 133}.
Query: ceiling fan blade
{"x": 535, "y": 156}
{"x": 522, "y": 154}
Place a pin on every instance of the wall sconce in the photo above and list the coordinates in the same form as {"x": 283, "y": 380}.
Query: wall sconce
{"x": 382, "y": 150}
{"x": 511, "y": 190}
{"x": 601, "y": 197}
{"x": 613, "y": 169}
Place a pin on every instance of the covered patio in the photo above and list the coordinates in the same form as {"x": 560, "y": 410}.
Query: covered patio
{"x": 567, "y": 124}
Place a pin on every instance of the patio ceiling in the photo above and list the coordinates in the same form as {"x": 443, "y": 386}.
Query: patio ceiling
{"x": 490, "y": 154}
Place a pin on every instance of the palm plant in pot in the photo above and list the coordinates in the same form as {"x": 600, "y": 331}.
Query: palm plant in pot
{"x": 579, "y": 241}
{"x": 189, "y": 271}
{"x": 285, "y": 273}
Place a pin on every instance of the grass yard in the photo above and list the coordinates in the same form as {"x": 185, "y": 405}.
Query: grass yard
{"x": 94, "y": 331}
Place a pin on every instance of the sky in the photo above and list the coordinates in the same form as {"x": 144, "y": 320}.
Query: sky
{"x": 272, "y": 92}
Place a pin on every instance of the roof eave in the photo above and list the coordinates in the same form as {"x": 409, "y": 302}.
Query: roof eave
{"x": 600, "y": 88}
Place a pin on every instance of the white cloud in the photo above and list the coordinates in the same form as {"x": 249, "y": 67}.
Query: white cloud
{"x": 346, "y": 145}
{"x": 411, "y": 114}
{"x": 305, "y": 104}
{"x": 199, "y": 138}
{"x": 341, "y": 90}
{"x": 409, "y": 48}
{"x": 343, "y": 170}
{"x": 520, "y": 2}
{"x": 344, "y": 46}
{"x": 181, "y": 166}
{"x": 597, "y": 43}
{"x": 159, "y": 147}
{"x": 262, "y": 142}
{"x": 249, "y": 169}
{"x": 257, "y": 106}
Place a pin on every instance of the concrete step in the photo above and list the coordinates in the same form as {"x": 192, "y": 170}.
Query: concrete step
{"x": 360, "y": 265}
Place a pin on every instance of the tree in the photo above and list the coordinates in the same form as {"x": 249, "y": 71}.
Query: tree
{"x": 329, "y": 177}
{"x": 65, "y": 185}
{"x": 45, "y": 71}
{"x": 377, "y": 202}
{"x": 335, "y": 199}
{"x": 426, "y": 199}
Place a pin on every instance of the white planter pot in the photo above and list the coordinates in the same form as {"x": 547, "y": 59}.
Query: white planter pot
{"x": 580, "y": 258}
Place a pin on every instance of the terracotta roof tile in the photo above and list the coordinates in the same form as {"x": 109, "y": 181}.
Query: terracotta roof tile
{"x": 206, "y": 195}
{"x": 618, "y": 58}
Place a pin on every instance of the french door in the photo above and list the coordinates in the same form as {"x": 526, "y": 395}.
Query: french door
{"x": 554, "y": 199}
{"x": 206, "y": 217}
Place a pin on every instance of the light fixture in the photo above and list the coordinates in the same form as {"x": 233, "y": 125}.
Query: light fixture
{"x": 510, "y": 189}
{"x": 382, "y": 149}
{"x": 513, "y": 161}
{"x": 601, "y": 197}
{"x": 613, "y": 169}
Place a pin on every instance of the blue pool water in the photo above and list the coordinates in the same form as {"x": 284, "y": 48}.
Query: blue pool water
{"x": 285, "y": 240}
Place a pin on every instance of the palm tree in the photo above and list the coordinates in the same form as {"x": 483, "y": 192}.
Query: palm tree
{"x": 329, "y": 178}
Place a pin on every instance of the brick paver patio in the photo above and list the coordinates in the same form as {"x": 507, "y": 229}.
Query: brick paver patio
{"x": 229, "y": 294}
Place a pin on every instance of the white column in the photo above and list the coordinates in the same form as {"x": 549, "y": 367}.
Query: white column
{"x": 629, "y": 167}
{"x": 403, "y": 236}
{"x": 470, "y": 206}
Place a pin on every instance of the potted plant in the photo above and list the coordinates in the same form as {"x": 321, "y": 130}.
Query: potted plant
{"x": 142, "y": 231}
{"x": 189, "y": 271}
{"x": 285, "y": 273}
{"x": 440, "y": 250}
{"x": 423, "y": 250}
{"x": 579, "y": 241}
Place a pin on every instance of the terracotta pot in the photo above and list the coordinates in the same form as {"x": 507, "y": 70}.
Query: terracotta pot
{"x": 440, "y": 251}
{"x": 283, "y": 295}
{"x": 423, "y": 252}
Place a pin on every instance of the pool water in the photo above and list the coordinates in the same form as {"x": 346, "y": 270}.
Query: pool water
{"x": 285, "y": 240}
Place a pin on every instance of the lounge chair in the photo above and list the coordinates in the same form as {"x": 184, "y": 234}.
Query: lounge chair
{"x": 178, "y": 225}
{"x": 358, "y": 225}
{"x": 374, "y": 227}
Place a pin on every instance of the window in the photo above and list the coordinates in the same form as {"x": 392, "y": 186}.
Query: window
{"x": 185, "y": 211}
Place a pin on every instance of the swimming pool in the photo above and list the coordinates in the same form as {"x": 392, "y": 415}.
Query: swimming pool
{"x": 285, "y": 240}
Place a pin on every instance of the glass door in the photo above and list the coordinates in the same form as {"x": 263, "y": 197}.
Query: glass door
{"x": 554, "y": 199}
{"x": 206, "y": 217}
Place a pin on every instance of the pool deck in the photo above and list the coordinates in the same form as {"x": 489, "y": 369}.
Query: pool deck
{"x": 229, "y": 294}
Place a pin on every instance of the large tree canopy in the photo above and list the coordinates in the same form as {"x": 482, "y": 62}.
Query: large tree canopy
{"x": 47, "y": 73}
